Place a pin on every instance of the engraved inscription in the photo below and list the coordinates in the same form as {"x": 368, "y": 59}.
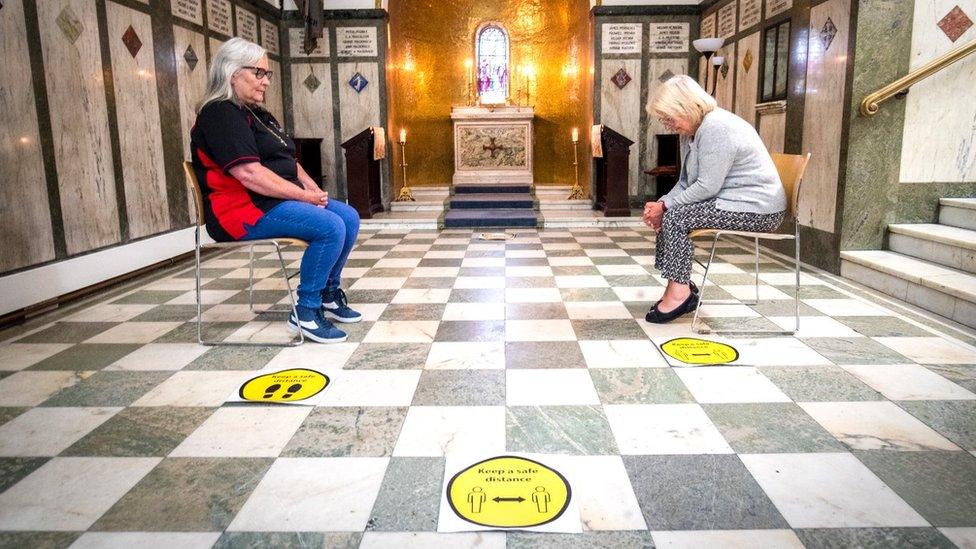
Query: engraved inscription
{"x": 269, "y": 36}
{"x": 726, "y": 20}
{"x": 191, "y": 10}
{"x": 707, "y": 28}
{"x": 749, "y": 13}
{"x": 668, "y": 37}
{"x": 247, "y": 25}
{"x": 296, "y": 37}
{"x": 775, "y": 7}
{"x": 622, "y": 37}
{"x": 356, "y": 41}
{"x": 218, "y": 16}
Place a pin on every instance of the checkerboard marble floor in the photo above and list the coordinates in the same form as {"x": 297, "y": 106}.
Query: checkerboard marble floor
{"x": 860, "y": 431}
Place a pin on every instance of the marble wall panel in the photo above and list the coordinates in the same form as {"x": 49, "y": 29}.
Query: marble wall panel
{"x": 724, "y": 84}
{"x": 25, "y": 220}
{"x": 191, "y": 10}
{"x": 776, "y": 7}
{"x": 220, "y": 16}
{"x": 192, "y": 81}
{"x": 747, "y": 77}
{"x": 272, "y": 97}
{"x": 707, "y": 27}
{"x": 296, "y": 38}
{"x": 823, "y": 112}
{"x": 140, "y": 136}
{"x": 215, "y": 44}
{"x": 726, "y": 19}
{"x": 750, "y": 13}
{"x": 359, "y": 110}
{"x": 312, "y": 107}
{"x": 939, "y": 141}
{"x": 269, "y": 37}
{"x": 656, "y": 68}
{"x": 79, "y": 120}
{"x": 247, "y": 24}
{"x": 772, "y": 130}
{"x": 619, "y": 109}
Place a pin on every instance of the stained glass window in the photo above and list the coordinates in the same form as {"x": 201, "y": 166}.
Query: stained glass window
{"x": 492, "y": 64}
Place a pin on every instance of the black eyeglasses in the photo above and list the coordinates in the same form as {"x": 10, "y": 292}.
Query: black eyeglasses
{"x": 260, "y": 73}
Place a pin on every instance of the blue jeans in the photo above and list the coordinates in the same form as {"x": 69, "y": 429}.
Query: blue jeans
{"x": 330, "y": 232}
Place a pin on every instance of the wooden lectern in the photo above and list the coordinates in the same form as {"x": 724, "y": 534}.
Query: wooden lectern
{"x": 611, "y": 194}
{"x": 363, "y": 174}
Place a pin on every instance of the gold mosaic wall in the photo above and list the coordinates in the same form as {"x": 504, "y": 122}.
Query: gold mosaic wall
{"x": 429, "y": 43}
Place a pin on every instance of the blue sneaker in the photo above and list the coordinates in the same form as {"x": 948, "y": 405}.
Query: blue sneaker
{"x": 334, "y": 306}
{"x": 314, "y": 326}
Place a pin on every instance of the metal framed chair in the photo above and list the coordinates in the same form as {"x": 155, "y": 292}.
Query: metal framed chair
{"x": 193, "y": 186}
{"x": 790, "y": 168}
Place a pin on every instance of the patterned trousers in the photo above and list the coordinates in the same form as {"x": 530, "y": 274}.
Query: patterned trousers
{"x": 675, "y": 250}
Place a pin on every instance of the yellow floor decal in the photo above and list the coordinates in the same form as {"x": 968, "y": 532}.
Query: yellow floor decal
{"x": 284, "y": 386}
{"x": 691, "y": 350}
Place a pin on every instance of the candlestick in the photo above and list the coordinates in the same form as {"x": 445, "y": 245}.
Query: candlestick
{"x": 403, "y": 135}
{"x": 469, "y": 69}
{"x": 405, "y": 194}
{"x": 576, "y": 193}
{"x": 575, "y": 135}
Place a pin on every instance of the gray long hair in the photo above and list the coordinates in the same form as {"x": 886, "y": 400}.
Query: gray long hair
{"x": 234, "y": 54}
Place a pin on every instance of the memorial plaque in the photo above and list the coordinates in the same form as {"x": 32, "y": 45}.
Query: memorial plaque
{"x": 356, "y": 41}
{"x": 622, "y": 37}
{"x": 269, "y": 36}
{"x": 219, "y": 17}
{"x": 191, "y": 10}
{"x": 668, "y": 37}
{"x": 726, "y": 20}
{"x": 749, "y": 13}
{"x": 775, "y": 7}
{"x": 296, "y": 37}
{"x": 247, "y": 25}
{"x": 707, "y": 28}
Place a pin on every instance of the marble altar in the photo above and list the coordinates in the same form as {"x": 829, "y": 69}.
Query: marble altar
{"x": 492, "y": 145}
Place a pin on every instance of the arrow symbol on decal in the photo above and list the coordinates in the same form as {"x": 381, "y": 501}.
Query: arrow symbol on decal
{"x": 519, "y": 499}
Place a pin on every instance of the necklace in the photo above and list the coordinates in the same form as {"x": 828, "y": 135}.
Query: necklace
{"x": 265, "y": 126}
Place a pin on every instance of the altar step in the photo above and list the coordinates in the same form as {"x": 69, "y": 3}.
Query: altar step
{"x": 496, "y": 206}
{"x": 492, "y": 201}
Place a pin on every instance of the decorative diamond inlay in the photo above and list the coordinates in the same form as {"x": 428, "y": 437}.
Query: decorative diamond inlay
{"x": 312, "y": 83}
{"x": 747, "y": 60}
{"x": 131, "y": 41}
{"x": 827, "y": 33}
{"x": 358, "y": 82}
{"x": 725, "y": 70}
{"x": 190, "y": 57}
{"x": 69, "y": 24}
{"x": 955, "y": 23}
{"x": 621, "y": 78}
{"x": 666, "y": 75}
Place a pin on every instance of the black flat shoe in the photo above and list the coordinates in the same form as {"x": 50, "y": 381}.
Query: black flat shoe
{"x": 657, "y": 317}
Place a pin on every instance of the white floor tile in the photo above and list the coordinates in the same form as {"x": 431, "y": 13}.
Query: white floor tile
{"x": 309, "y": 494}
{"x": 730, "y": 384}
{"x": 134, "y": 332}
{"x": 70, "y": 493}
{"x": 372, "y": 388}
{"x": 48, "y": 431}
{"x": 846, "y": 307}
{"x": 582, "y": 281}
{"x": 909, "y": 382}
{"x": 930, "y": 350}
{"x": 442, "y": 430}
{"x": 479, "y": 282}
{"x": 539, "y": 330}
{"x": 647, "y": 429}
{"x": 474, "y": 311}
{"x": 586, "y": 310}
{"x": 828, "y": 491}
{"x": 160, "y": 356}
{"x": 467, "y": 355}
{"x": 629, "y": 353}
{"x": 876, "y": 426}
{"x": 108, "y": 312}
{"x": 432, "y": 540}
{"x": 146, "y": 540}
{"x": 555, "y": 387}
{"x": 378, "y": 283}
{"x": 814, "y": 326}
{"x": 244, "y": 431}
{"x": 425, "y": 295}
{"x": 606, "y": 498}
{"x": 402, "y": 331}
{"x": 777, "y": 351}
{"x": 31, "y": 388}
{"x": 532, "y": 295}
{"x": 207, "y": 297}
{"x": 324, "y": 358}
{"x": 727, "y": 539}
{"x": 17, "y": 356}
{"x": 964, "y": 538}
{"x": 194, "y": 388}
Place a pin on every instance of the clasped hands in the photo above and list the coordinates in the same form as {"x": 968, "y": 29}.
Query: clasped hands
{"x": 317, "y": 197}
{"x": 653, "y": 214}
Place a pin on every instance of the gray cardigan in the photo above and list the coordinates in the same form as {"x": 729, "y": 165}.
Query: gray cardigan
{"x": 726, "y": 160}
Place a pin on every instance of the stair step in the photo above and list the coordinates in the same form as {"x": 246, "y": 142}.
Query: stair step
{"x": 484, "y": 189}
{"x": 473, "y": 218}
{"x": 942, "y": 290}
{"x": 950, "y": 246}
{"x": 958, "y": 212}
{"x": 493, "y": 201}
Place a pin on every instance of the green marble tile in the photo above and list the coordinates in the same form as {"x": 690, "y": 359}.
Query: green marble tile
{"x": 770, "y": 428}
{"x": 170, "y": 313}
{"x": 148, "y": 297}
{"x": 941, "y": 486}
{"x": 112, "y": 388}
{"x": 639, "y": 386}
{"x": 607, "y": 329}
{"x": 260, "y": 296}
{"x": 872, "y": 538}
{"x": 38, "y": 540}
{"x": 460, "y": 388}
{"x": 85, "y": 356}
{"x": 882, "y": 326}
{"x": 732, "y": 279}
{"x": 961, "y": 374}
{"x": 812, "y": 291}
{"x": 615, "y": 260}
{"x": 440, "y": 262}
{"x": 234, "y": 358}
{"x": 381, "y": 272}
{"x": 347, "y": 432}
{"x": 13, "y": 469}
{"x": 586, "y": 540}
{"x": 854, "y": 350}
{"x": 578, "y": 270}
{"x": 543, "y": 354}
{"x": 745, "y": 323}
{"x": 186, "y": 495}
{"x": 483, "y": 295}
{"x": 588, "y": 294}
{"x": 289, "y": 540}
{"x": 68, "y": 332}
{"x": 954, "y": 419}
{"x": 212, "y": 331}
{"x": 7, "y": 413}
{"x": 413, "y": 311}
{"x": 226, "y": 284}
{"x": 137, "y": 432}
{"x": 425, "y": 282}
{"x": 410, "y": 496}
{"x": 388, "y": 356}
{"x": 356, "y": 332}
{"x": 360, "y": 263}
{"x": 783, "y": 307}
{"x": 819, "y": 384}
{"x": 470, "y": 330}
{"x": 535, "y": 311}
{"x": 370, "y": 296}
{"x": 573, "y": 430}
{"x": 527, "y": 261}
{"x": 530, "y": 282}
{"x": 481, "y": 271}
{"x": 206, "y": 272}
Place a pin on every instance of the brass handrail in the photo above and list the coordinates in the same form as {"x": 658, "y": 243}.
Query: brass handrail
{"x": 870, "y": 104}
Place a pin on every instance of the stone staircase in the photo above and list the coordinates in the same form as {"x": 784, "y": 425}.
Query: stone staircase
{"x": 495, "y": 206}
{"x": 930, "y": 265}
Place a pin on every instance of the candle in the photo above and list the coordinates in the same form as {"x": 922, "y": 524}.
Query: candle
{"x": 468, "y": 66}
{"x": 575, "y": 135}
{"x": 403, "y": 135}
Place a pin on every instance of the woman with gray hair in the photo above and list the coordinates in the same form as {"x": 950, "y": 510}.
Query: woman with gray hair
{"x": 728, "y": 181}
{"x": 253, "y": 187}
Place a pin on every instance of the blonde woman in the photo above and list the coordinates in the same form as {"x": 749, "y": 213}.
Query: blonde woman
{"x": 727, "y": 181}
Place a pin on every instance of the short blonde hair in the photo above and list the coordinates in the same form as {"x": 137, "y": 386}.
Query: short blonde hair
{"x": 681, "y": 97}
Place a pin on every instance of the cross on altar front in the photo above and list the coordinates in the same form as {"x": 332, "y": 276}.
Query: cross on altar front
{"x": 493, "y": 148}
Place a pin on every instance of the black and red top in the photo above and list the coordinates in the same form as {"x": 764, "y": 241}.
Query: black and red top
{"x": 226, "y": 135}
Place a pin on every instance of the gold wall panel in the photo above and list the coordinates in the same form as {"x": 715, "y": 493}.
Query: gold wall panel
{"x": 429, "y": 43}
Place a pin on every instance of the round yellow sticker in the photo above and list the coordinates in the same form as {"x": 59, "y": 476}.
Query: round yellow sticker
{"x": 699, "y": 351}
{"x": 508, "y": 492}
{"x": 284, "y": 386}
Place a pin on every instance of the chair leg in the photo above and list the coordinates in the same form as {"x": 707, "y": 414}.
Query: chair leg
{"x": 291, "y": 295}
{"x": 757, "y": 272}
{"x": 250, "y": 278}
{"x": 796, "y": 293}
{"x": 701, "y": 291}
{"x": 196, "y": 269}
